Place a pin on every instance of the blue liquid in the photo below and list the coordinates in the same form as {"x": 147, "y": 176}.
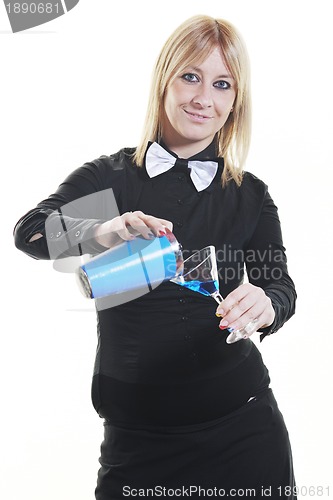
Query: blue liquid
{"x": 203, "y": 287}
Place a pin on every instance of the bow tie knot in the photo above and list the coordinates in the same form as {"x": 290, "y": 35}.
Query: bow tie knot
{"x": 158, "y": 161}
{"x": 181, "y": 162}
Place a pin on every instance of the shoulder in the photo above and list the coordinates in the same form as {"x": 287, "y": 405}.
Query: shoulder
{"x": 106, "y": 170}
{"x": 249, "y": 198}
{"x": 252, "y": 182}
{"x": 116, "y": 161}
{"x": 252, "y": 189}
{"x": 255, "y": 194}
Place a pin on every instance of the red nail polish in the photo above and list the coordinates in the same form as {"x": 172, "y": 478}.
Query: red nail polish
{"x": 162, "y": 233}
{"x": 223, "y": 327}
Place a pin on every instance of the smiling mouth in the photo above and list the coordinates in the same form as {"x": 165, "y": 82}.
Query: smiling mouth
{"x": 197, "y": 116}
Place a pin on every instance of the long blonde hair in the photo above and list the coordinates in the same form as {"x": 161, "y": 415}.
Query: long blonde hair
{"x": 191, "y": 43}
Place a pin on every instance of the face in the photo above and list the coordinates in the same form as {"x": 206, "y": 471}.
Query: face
{"x": 197, "y": 105}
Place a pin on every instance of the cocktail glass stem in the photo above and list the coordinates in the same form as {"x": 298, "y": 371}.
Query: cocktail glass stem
{"x": 217, "y": 296}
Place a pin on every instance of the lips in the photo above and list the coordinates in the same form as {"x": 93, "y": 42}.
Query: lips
{"x": 197, "y": 116}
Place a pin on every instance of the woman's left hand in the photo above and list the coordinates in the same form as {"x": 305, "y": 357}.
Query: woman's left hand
{"x": 243, "y": 305}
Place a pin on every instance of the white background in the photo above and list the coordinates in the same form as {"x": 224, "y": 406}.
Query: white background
{"x": 76, "y": 88}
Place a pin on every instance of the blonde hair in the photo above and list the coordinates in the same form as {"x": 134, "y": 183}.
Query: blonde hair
{"x": 191, "y": 43}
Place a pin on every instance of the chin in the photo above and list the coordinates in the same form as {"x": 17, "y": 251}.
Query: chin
{"x": 198, "y": 138}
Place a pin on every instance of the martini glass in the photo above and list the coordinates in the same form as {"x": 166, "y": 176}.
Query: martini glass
{"x": 199, "y": 274}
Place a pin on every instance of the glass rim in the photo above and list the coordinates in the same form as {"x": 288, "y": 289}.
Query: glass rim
{"x": 211, "y": 252}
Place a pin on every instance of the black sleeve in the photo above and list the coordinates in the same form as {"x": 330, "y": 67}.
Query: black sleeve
{"x": 266, "y": 265}
{"x": 66, "y": 219}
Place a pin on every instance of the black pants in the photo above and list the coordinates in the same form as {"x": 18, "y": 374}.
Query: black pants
{"x": 244, "y": 454}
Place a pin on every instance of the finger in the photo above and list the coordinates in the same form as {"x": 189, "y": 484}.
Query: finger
{"x": 132, "y": 224}
{"x": 158, "y": 226}
{"x": 167, "y": 224}
{"x": 107, "y": 231}
{"x": 139, "y": 228}
{"x": 243, "y": 333}
{"x": 155, "y": 224}
{"x": 242, "y": 314}
{"x": 254, "y": 305}
{"x": 118, "y": 227}
{"x": 232, "y": 300}
{"x": 246, "y": 318}
{"x": 126, "y": 233}
{"x": 238, "y": 309}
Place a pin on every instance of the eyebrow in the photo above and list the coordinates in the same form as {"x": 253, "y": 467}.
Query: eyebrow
{"x": 194, "y": 68}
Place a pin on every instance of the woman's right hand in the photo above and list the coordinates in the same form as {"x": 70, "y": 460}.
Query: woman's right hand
{"x": 128, "y": 226}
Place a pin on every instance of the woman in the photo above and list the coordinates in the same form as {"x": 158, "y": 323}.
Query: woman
{"x": 184, "y": 411}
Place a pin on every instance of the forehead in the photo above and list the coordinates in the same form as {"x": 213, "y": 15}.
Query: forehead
{"x": 211, "y": 58}
{"x": 214, "y": 61}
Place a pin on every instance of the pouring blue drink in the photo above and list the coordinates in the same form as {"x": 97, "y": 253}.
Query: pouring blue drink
{"x": 203, "y": 287}
{"x": 200, "y": 274}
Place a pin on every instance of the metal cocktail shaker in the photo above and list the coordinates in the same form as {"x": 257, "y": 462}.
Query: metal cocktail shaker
{"x": 136, "y": 264}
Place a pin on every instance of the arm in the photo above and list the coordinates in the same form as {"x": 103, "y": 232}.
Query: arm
{"x": 64, "y": 223}
{"x": 269, "y": 270}
{"x": 82, "y": 216}
{"x": 270, "y": 294}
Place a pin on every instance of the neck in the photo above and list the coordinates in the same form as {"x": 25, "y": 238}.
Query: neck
{"x": 186, "y": 150}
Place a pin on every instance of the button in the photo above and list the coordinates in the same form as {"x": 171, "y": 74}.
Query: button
{"x": 184, "y": 318}
{"x": 187, "y": 337}
{"x": 77, "y": 233}
{"x": 58, "y": 234}
{"x": 193, "y": 356}
{"x": 180, "y": 202}
{"x": 180, "y": 178}
{"x": 51, "y": 235}
{"x": 179, "y": 224}
{"x": 182, "y": 301}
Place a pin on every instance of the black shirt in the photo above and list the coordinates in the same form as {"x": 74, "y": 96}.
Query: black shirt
{"x": 161, "y": 359}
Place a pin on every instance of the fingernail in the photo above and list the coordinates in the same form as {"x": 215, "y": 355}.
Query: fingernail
{"x": 222, "y": 327}
{"x": 224, "y": 323}
{"x": 150, "y": 236}
{"x": 162, "y": 233}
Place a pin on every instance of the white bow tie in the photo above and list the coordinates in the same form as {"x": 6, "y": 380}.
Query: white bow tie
{"x": 158, "y": 161}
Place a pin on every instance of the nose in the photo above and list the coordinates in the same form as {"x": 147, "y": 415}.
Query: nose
{"x": 203, "y": 96}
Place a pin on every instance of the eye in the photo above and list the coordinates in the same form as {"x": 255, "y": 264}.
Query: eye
{"x": 190, "y": 77}
{"x": 222, "y": 84}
